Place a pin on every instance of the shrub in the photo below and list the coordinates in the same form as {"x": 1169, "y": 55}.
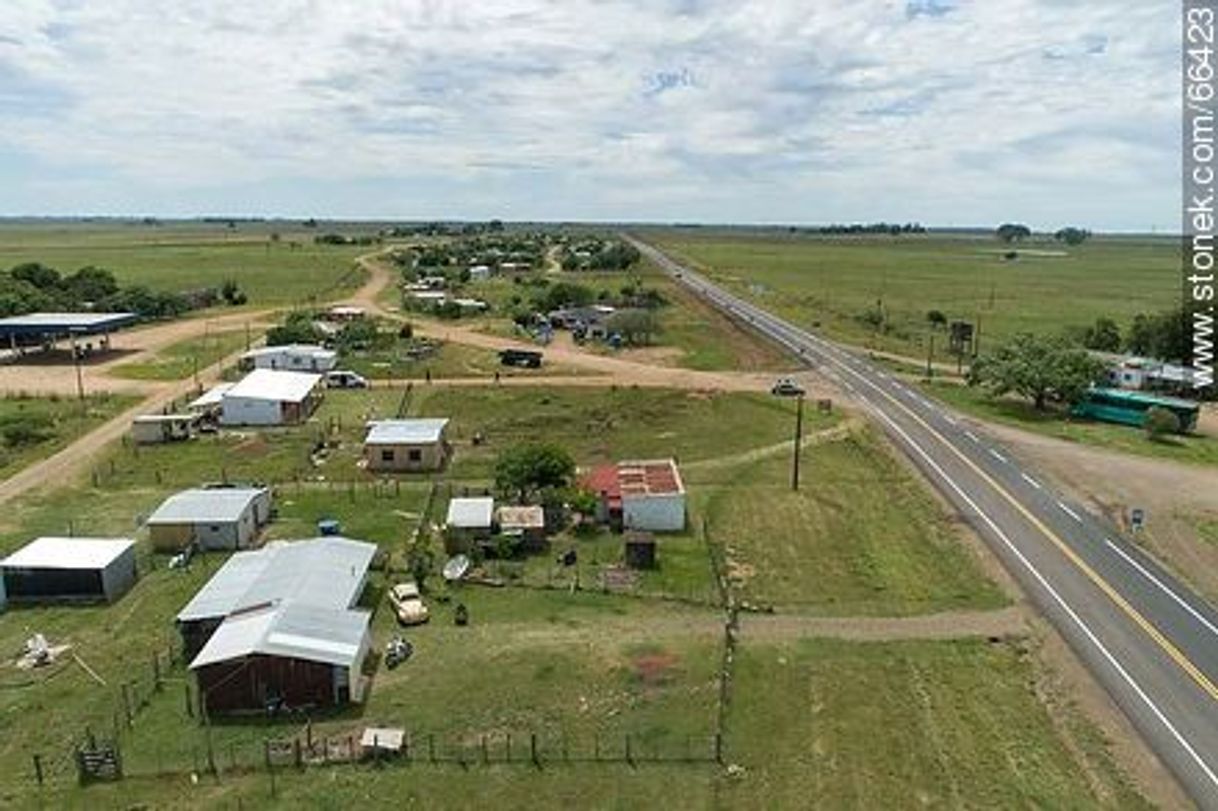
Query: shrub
{"x": 1159, "y": 422}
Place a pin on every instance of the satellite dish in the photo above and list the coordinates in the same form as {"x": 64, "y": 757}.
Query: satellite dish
{"x": 456, "y": 567}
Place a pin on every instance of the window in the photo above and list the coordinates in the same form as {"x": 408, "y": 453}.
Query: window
{"x": 414, "y": 455}
{"x": 387, "y": 455}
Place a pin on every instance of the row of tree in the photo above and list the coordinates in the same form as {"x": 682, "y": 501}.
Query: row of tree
{"x": 33, "y": 286}
{"x": 1165, "y": 335}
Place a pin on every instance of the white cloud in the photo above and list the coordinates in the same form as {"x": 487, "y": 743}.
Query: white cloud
{"x": 752, "y": 110}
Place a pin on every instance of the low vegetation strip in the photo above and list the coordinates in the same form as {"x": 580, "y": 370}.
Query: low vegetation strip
{"x": 1003, "y": 622}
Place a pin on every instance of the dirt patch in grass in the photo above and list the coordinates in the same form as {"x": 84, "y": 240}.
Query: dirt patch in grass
{"x": 654, "y": 668}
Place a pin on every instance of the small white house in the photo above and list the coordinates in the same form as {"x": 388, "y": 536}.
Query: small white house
{"x": 266, "y": 397}
{"x": 212, "y": 518}
{"x": 469, "y": 519}
{"x": 291, "y": 358}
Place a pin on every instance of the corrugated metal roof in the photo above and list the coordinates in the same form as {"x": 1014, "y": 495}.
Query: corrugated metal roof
{"x": 531, "y": 517}
{"x": 471, "y": 513}
{"x": 211, "y": 397}
{"x": 294, "y": 630}
{"x": 68, "y": 553}
{"x": 649, "y": 477}
{"x": 65, "y": 322}
{"x": 306, "y": 350}
{"x": 272, "y": 384}
{"x": 405, "y": 432}
{"x": 219, "y": 505}
{"x": 324, "y": 572}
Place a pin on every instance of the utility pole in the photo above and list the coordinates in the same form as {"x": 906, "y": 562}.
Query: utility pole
{"x": 799, "y": 435}
{"x": 930, "y": 357}
{"x": 80, "y": 382}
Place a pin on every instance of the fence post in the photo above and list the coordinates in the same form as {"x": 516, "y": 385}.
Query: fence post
{"x": 507, "y": 748}
{"x": 485, "y": 754}
{"x": 533, "y": 749}
{"x": 596, "y": 746}
{"x": 629, "y": 754}
{"x": 296, "y": 753}
{"x": 431, "y": 747}
{"x": 38, "y": 768}
{"x": 719, "y": 748}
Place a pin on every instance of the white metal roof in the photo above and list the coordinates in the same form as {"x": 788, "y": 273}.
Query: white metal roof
{"x": 307, "y": 350}
{"x": 217, "y": 505}
{"x": 471, "y": 513}
{"x": 294, "y": 630}
{"x": 325, "y": 572}
{"x": 156, "y": 418}
{"x": 405, "y": 432}
{"x": 64, "y": 320}
{"x": 272, "y": 384}
{"x": 68, "y": 553}
{"x": 211, "y": 397}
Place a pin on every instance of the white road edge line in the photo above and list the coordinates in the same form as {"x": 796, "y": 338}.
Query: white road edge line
{"x": 1066, "y": 509}
{"x": 1142, "y": 569}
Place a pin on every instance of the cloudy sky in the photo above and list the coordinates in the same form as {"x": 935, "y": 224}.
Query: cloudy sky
{"x": 941, "y": 111}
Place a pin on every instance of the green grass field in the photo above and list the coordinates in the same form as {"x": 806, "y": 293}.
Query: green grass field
{"x": 180, "y": 360}
{"x": 910, "y": 724}
{"x": 861, "y": 536}
{"x": 185, "y": 256}
{"x": 834, "y": 280}
{"x": 56, "y": 422}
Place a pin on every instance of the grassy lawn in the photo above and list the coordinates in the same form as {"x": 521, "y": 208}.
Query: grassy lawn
{"x": 605, "y": 424}
{"x": 450, "y": 360}
{"x": 861, "y": 536}
{"x": 180, "y": 360}
{"x": 184, "y": 256}
{"x": 1201, "y": 449}
{"x": 836, "y": 724}
{"x": 833, "y": 280}
{"x": 53, "y": 421}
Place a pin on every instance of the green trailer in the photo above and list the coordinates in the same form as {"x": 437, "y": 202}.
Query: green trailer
{"x": 1130, "y": 407}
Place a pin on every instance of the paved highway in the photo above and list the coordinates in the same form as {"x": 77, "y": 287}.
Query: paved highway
{"x": 1146, "y": 637}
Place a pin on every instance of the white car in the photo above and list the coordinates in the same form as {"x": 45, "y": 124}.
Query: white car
{"x": 786, "y": 387}
{"x": 341, "y": 379}
{"x": 407, "y": 604}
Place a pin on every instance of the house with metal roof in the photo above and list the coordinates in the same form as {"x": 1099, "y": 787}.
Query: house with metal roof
{"x": 55, "y": 569}
{"x": 278, "y": 626}
{"x": 291, "y": 358}
{"x": 639, "y": 494}
{"x": 210, "y": 518}
{"x": 406, "y": 445}
{"x": 268, "y": 397}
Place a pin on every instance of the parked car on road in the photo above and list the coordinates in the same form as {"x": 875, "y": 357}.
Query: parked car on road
{"x": 342, "y": 379}
{"x": 407, "y": 604}
{"x": 786, "y": 387}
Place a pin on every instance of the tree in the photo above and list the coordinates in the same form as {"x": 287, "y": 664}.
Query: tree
{"x": 522, "y": 470}
{"x": 936, "y": 318}
{"x": 1071, "y": 235}
{"x": 1012, "y": 232}
{"x": 636, "y": 326}
{"x": 1159, "y": 422}
{"x": 1104, "y": 336}
{"x": 90, "y": 284}
{"x": 1163, "y": 335}
{"x": 36, "y": 274}
{"x": 565, "y": 294}
{"x": 297, "y": 328}
{"x": 1040, "y": 369}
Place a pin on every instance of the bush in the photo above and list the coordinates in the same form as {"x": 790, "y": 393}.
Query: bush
{"x": 1159, "y": 422}
{"x": 22, "y": 430}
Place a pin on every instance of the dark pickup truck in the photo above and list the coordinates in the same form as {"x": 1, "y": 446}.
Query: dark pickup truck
{"x": 527, "y": 358}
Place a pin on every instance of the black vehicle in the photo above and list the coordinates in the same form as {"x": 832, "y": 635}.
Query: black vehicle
{"x": 526, "y": 358}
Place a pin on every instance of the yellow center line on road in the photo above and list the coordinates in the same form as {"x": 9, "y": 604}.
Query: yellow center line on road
{"x": 1162, "y": 641}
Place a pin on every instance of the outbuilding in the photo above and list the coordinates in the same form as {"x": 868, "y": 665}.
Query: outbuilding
{"x": 527, "y": 522}
{"x": 406, "y": 445}
{"x": 210, "y": 403}
{"x": 210, "y": 518}
{"x": 268, "y": 397}
{"x": 469, "y": 520}
{"x": 151, "y": 429}
{"x": 278, "y": 627}
{"x": 291, "y": 358}
{"x": 55, "y": 569}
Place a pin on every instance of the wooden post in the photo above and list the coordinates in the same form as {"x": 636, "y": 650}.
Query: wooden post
{"x": 485, "y": 754}
{"x": 596, "y": 746}
{"x": 629, "y": 754}
{"x": 38, "y": 768}
{"x": 799, "y": 433}
{"x": 533, "y": 749}
{"x": 296, "y": 754}
{"x": 507, "y": 748}
{"x": 431, "y": 747}
{"x": 719, "y": 747}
